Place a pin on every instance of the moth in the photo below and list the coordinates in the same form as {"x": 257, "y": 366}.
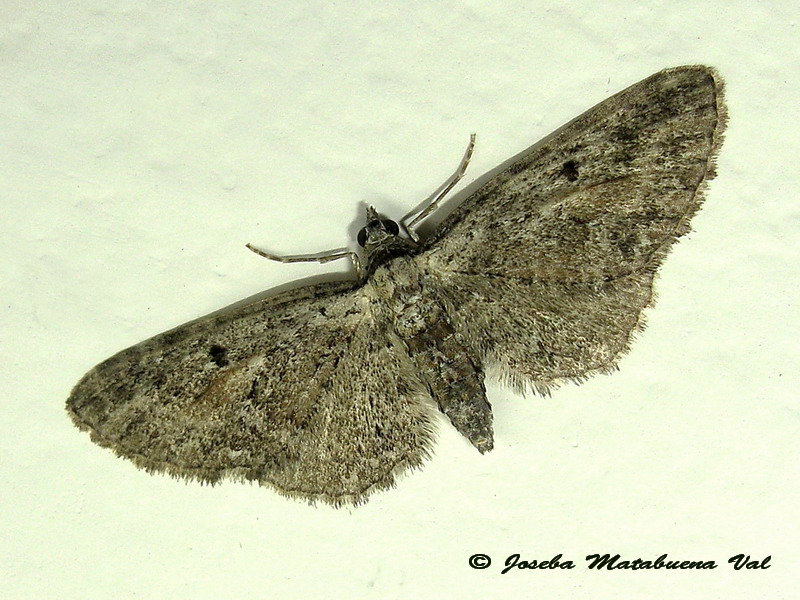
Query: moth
{"x": 328, "y": 392}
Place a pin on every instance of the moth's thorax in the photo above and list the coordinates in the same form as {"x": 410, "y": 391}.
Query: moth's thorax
{"x": 393, "y": 278}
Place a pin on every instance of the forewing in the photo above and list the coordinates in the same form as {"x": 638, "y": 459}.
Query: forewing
{"x": 550, "y": 263}
{"x": 301, "y": 392}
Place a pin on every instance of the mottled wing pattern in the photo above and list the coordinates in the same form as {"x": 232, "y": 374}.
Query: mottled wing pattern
{"x": 548, "y": 266}
{"x": 301, "y": 392}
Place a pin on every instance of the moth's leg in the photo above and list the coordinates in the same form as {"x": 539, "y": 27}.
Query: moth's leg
{"x": 462, "y": 168}
{"x": 320, "y": 258}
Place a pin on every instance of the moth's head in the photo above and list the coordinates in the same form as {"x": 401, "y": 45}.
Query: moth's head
{"x": 377, "y": 232}
{"x": 381, "y": 240}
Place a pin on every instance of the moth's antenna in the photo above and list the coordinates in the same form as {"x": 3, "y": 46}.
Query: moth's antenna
{"x": 320, "y": 258}
{"x": 462, "y": 168}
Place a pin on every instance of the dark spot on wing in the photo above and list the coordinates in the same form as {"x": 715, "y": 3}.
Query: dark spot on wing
{"x": 219, "y": 355}
{"x": 570, "y": 170}
{"x": 253, "y": 389}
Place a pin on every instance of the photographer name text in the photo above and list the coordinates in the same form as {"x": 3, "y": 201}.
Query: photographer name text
{"x": 615, "y": 562}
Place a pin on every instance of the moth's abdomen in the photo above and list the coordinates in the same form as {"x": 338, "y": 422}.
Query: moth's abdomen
{"x": 453, "y": 376}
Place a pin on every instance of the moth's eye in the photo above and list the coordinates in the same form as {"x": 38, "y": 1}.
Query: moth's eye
{"x": 570, "y": 170}
{"x": 362, "y": 235}
{"x": 391, "y": 226}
